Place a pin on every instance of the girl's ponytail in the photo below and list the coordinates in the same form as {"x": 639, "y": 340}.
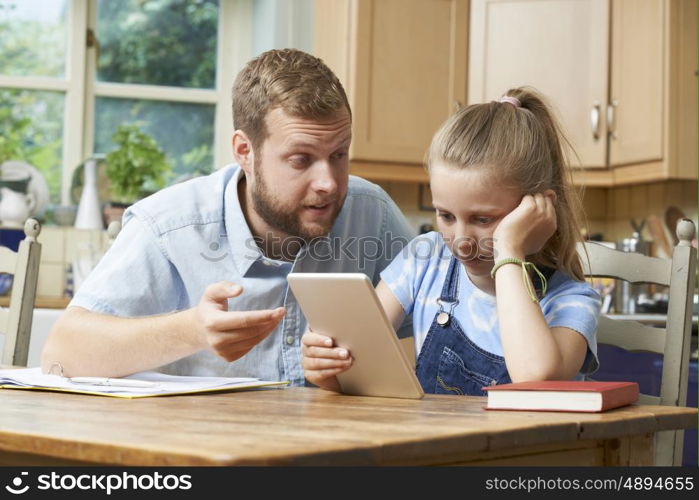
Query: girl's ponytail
{"x": 561, "y": 250}
{"x": 518, "y": 141}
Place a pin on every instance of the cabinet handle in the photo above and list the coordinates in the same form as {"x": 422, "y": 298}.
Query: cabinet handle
{"x": 611, "y": 117}
{"x": 594, "y": 120}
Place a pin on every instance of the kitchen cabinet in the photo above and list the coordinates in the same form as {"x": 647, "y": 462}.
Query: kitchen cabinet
{"x": 559, "y": 48}
{"x": 403, "y": 65}
{"x": 635, "y": 104}
{"x": 619, "y": 73}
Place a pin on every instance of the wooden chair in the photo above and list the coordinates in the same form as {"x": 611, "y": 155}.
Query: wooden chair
{"x": 16, "y": 321}
{"x": 113, "y": 230}
{"x": 673, "y": 341}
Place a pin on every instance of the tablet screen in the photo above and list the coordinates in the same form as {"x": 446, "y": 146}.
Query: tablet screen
{"x": 345, "y": 306}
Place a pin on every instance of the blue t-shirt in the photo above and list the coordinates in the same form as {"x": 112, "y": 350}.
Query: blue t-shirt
{"x": 416, "y": 277}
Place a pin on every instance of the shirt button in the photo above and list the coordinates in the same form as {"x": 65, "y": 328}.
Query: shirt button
{"x": 290, "y": 339}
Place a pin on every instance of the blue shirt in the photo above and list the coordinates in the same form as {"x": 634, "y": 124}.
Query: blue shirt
{"x": 180, "y": 240}
{"x": 416, "y": 277}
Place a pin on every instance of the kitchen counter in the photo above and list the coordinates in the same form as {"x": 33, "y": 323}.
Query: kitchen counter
{"x": 649, "y": 319}
{"x": 43, "y": 302}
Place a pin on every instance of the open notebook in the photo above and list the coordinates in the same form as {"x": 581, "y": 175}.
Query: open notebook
{"x": 158, "y": 384}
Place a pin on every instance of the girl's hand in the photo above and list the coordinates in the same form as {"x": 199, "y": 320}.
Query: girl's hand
{"x": 526, "y": 229}
{"x": 322, "y": 362}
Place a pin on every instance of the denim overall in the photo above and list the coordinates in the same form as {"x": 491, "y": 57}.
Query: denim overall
{"x": 449, "y": 362}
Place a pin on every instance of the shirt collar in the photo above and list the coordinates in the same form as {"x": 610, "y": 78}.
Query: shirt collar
{"x": 243, "y": 247}
{"x": 246, "y": 252}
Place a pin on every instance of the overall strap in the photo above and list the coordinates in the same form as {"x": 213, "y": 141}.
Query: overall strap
{"x": 450, "y": 290}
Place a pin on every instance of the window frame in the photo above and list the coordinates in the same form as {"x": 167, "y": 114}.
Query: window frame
{"x": 71, "y": 85}
{"x": 81, "y": 89}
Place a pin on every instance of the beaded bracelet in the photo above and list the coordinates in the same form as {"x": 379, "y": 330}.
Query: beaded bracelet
{"x": 525, "y": 275}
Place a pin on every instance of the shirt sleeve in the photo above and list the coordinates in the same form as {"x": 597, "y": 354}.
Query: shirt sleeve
{"x": 576, "y": 305}
{"x": 396, "y": 234}
{"x": 404, "y": 275}
{"x": 133, "y": 278}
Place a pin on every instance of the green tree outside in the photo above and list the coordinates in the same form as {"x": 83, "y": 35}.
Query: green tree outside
{"x": 155, "y": 42}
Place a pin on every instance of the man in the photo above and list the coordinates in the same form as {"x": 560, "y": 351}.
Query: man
{"x": 195, "y": 283}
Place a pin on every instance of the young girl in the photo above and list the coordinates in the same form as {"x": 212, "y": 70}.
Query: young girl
{"x": 497, "y": 295}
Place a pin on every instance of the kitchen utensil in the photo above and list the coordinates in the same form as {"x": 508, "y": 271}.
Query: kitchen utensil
{"x": 89, "y": 214}
{"x": 103, "y": 185}
{"x": 657, "y": 231}
{"x": 19, "y": 185}
{"x": 638, "y": 226}
{"x": 15, "y": 207}
{"x": 37, "y": 186}
{"x": 64, "y": 215}
{"x": 672, "y": 216}
{"x": 627, "y": 293}
{"x": 636, "y": 242}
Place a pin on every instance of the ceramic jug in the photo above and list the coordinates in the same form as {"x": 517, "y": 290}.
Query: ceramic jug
{"x": 89, "y": 214}
{"x": 15, "y": 207}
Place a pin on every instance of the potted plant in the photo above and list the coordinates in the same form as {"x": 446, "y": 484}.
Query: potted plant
{"x": 137, "y": 168}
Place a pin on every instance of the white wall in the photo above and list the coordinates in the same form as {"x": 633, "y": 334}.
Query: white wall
{"x": 41, "y": 326}
{"x": 280, "y": 24}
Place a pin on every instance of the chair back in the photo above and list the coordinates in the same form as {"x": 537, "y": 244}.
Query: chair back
{"x": 113, "y": 230}
{"x": 674, "y": 340}
{"x": 16, "y": 320}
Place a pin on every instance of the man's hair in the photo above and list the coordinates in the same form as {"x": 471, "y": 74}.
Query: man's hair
{"x": 297, "y": 82}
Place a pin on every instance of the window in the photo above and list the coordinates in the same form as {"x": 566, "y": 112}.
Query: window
{"x": 165, "y": 47}
{"x": 71, "y": 71}
{"x": 33, "y": 85}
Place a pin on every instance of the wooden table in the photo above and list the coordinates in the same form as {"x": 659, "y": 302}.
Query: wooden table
{"x": 41, "y": 302}
{"x": 305, "y": 426}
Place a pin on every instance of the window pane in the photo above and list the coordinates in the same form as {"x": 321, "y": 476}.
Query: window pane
{"x": 157, "y": 42}
{"x": 184, "y": 131}
{"x": 33, "y": 37}
{"x": 31, "y": 130}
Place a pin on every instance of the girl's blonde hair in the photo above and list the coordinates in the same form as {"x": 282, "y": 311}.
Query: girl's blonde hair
{"x": 519, "y": 146}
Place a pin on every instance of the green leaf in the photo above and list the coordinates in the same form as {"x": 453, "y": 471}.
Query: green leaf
{"x": 137, "y": 166}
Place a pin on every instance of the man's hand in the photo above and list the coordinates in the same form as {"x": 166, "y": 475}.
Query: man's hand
{"x": 322, "y": 362}
{"x": 231, "y": 334}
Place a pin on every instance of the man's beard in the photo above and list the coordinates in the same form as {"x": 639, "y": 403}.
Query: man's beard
{"x": 284, "y": 219}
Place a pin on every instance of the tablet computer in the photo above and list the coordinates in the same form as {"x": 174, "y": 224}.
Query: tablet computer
{"x": 345, "y": 306}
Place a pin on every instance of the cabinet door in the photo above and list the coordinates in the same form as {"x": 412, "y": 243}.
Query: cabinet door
{"x": 409, "y": 70}
{"x": 558, "y": 47}
{"x": 636, "y": 97}
{"x": 683, "y": 99}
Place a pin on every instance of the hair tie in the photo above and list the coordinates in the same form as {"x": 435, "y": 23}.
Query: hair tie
{"x": 512, "y": 100}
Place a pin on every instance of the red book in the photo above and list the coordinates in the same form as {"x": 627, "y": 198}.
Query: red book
{"x": 561, "y": 395}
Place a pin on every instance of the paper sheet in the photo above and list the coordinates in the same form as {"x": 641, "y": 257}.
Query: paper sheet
{"x": 32, "y": 378}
